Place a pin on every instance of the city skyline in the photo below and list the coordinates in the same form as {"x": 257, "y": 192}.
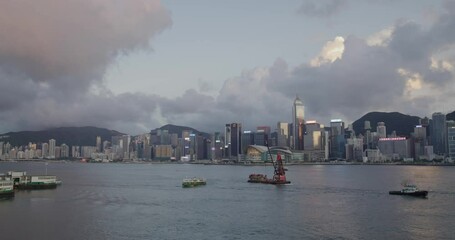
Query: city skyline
{"x": 140, "y": 65}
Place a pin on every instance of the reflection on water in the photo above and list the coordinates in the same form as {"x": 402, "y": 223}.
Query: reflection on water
{"x": 146, "y": 201}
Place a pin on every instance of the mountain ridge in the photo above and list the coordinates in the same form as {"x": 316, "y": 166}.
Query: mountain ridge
{"x": 171, "y": 128}
{"x": 71, "y": 136}
{"x": 402, "y": 124}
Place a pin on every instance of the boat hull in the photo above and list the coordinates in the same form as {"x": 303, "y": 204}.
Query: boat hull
{"x": 189, "y": 185}
{"x": 7, "y": 194}
{"x": 32, "y": 186}
{"x": 193, "y": 182}
{"x": 414, "y": 194}
{"x": 269, "y": 181}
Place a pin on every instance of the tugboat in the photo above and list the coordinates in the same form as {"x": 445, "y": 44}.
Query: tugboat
{"x": 193, "y": 182}
{"x": 410, "y": 190}
{"x": 279, "y": 176}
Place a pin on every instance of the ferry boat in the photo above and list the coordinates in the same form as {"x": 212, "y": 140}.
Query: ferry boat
{"x": 410, "y": 190}
{"x": 24, "y": 182}
{"x": 193, "y": 182}
{"x": 6, "y": 188}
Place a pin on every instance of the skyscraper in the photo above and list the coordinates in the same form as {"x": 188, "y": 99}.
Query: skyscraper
{"x": 52, "y": 148}
{"x": 337, "y": 139}
{"x": 247, "y": 139}
{"x": 298, "y": 113}
{"x": 439, "y": 133}
{"x": 313, "y": 138}
{"x": 451, "y": 139}
{"x": 98, "y": 144}
{"x": 233, "y": 142}
{"x": 283, "y": 134}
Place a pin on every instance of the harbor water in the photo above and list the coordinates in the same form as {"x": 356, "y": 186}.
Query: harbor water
{"x": 147, "y": 201}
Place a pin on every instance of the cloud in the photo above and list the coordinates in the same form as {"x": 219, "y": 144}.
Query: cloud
{"x": 53, "y": 57}
{"x": 53, "y": 52}
{"x": 332, "y": 51}
{"x": 395, "y": 70}
{"x": 321, "y": 9}
{"x": 381, "y": 38}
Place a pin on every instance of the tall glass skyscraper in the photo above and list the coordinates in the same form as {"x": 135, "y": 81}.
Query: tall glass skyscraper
{"x": 439, "y": 133}
{"x": 337, "y": 139}
{"x": 298, "y": 113}
{"x": 233, "y": 141}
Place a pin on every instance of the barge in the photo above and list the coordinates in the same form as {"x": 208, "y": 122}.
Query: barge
{"x": 279, "y": 176}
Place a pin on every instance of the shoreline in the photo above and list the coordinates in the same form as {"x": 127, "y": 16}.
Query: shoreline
{"x": 237, "y": 164}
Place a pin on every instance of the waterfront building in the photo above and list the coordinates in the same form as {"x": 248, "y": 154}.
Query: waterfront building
{"x": 193, "y": 145}
{"x": 87, "y": 151}
{"x": 217, "y": 146}
{"x": 174, "y": 139}
{"x": 261, "y": 154}
{"x": 164, "y": 136}
{"x": 65, "y": 151}
{"x": 233, "y": 141}
{"x": 298, "y": 114}
{"x": 75, "y": 152}
{"x": 337, "y": 139}
{"x": 45, "y": 148}
{"x": 247, "y": 139}
{"x": 163, "y": 152}
{"x": 451, "y": 140}
{"x": 367, "y": 135}
{"x": 98, "y": 144}
{"x": 265, "y": 129}
{"x": 58, "y": 152}
{"x": 283, "y": 134}
{"x": 394, "y": 148}
{"x": 439, "y": 133}
{"x": 354, "y": 149}
{"x": 186, "y": 144}
{"x": 122, "y": 145}
{"x": 313, "y": 137}
{"x": 261, "y": 138}
{"x": 51, "y": 149}
{"x": 373, "y": 155}
{"x": 201, "y": 147}
{"x": 420, "y": 141}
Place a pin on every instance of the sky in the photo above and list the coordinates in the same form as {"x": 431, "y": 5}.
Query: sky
{"x": 133, "y": 66}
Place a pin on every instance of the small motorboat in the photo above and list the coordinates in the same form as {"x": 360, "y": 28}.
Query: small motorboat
{"x": 410, "y": 190}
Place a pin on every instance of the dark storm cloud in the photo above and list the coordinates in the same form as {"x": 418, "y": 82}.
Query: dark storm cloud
{"x": 53, "y": 52}
{"x": 325, "y": 8}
